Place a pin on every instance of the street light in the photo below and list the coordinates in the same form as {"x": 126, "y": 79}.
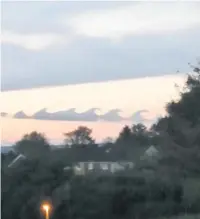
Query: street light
{"x": 46, "y": 208}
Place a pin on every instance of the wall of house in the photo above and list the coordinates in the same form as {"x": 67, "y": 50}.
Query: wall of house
{"x": 85, "y": 167}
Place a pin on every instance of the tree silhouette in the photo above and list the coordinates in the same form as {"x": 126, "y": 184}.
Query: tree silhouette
{"x": 125, "y": 135}
{"x": 181, "y": 127}
{"x": 80, "y": 136}
{"x": 33, "y": 145}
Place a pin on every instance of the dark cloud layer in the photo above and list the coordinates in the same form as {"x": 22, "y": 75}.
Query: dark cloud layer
{"x": 41, "y": 16}
{"x": 88, "y": 116}
{"x": 86, "y": 59}
{"x": 92, "y": 60}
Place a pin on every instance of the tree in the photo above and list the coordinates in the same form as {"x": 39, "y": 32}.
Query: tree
{"x": 188, "y": 107}
{"x": 24, "y": 188}
{"x": 123, "y": 144}
{"x": 140, "y": 134}
{"x": 181, "y": 127}
{"x": 139, "y": 129}
{"x": 136, "y": 135}
{"x": 183, "y": 122}
{"x": 33, "y": 145}
{"x": 124, "y": 135}
{"x": 80, "y": 136}
{"x": 7, "y": 158}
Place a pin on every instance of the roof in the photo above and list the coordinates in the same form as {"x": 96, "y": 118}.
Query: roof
{"x": 152, "y": 150}
{"x": 19, "y": 158}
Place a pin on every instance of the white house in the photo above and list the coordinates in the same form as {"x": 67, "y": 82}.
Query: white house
{"x": 151, "y": 153}
{"x": 82, "y": 168}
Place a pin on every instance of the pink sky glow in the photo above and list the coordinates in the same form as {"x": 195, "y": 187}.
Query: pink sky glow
{"x": 129, "y": 95}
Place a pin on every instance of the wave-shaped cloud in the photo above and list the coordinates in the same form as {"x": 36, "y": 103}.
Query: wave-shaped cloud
{"x": 90, "y": 115}
{"x": 3, "y": 114}
{"x": 20, "y": 115}
{"x": 112, "y": 116}
{"x": 69, "y": 115}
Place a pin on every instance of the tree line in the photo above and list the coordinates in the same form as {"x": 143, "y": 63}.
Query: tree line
{"x": 171, "y": 186}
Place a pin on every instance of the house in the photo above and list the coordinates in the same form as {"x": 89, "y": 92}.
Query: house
{"x": 150, "y": 153}
{"x": 82, "y": 168}
{"x": 16, "y": 160}
{"x": 109, "y": 165}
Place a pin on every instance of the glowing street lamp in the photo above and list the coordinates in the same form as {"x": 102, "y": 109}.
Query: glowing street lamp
{"x": 46, "y": 208}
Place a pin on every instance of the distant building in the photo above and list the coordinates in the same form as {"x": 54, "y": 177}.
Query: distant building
{"x": 143, "y": 154}
{"x": 17, "y": 160}
{"x": 82, "y": 168}
{"x": 151, "y": 153}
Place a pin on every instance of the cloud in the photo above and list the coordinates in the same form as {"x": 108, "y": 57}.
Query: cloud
{"x": 114, "y": 23}
{"x": 112, "y": 116}
{"x": 140, "y": 117}
{"x": 97, "y": 60}
{"x": 34, "y": 42}
{"x": 90, "y": 115}
{"x": 129, "y": 95}
{"x": 3, "y": 114}
{"x": 137, "y": 116}
{"x": 20, "y": 115}
{"x": 41, "y": 17}
{"x": 67, "y": 115}
{"x": 141, "y": 18}
{"x": 36, "y": 25}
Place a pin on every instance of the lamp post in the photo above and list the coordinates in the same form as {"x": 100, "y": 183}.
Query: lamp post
{"x": 46, "y": 208}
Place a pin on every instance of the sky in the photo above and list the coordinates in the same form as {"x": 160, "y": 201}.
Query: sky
{"x": 100, "y": 64}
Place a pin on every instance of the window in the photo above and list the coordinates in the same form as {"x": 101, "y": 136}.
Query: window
{"x": 90, "y": 166}
{"x": 104, "y": 166}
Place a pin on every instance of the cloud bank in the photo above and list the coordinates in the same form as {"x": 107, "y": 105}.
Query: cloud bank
{"x": 34, "y": 42}
{"x": 142, "y": 18}
{"x": 74, "y": 42}
{"x": 91, "y": 115}
{"x": 114, "y": 23}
